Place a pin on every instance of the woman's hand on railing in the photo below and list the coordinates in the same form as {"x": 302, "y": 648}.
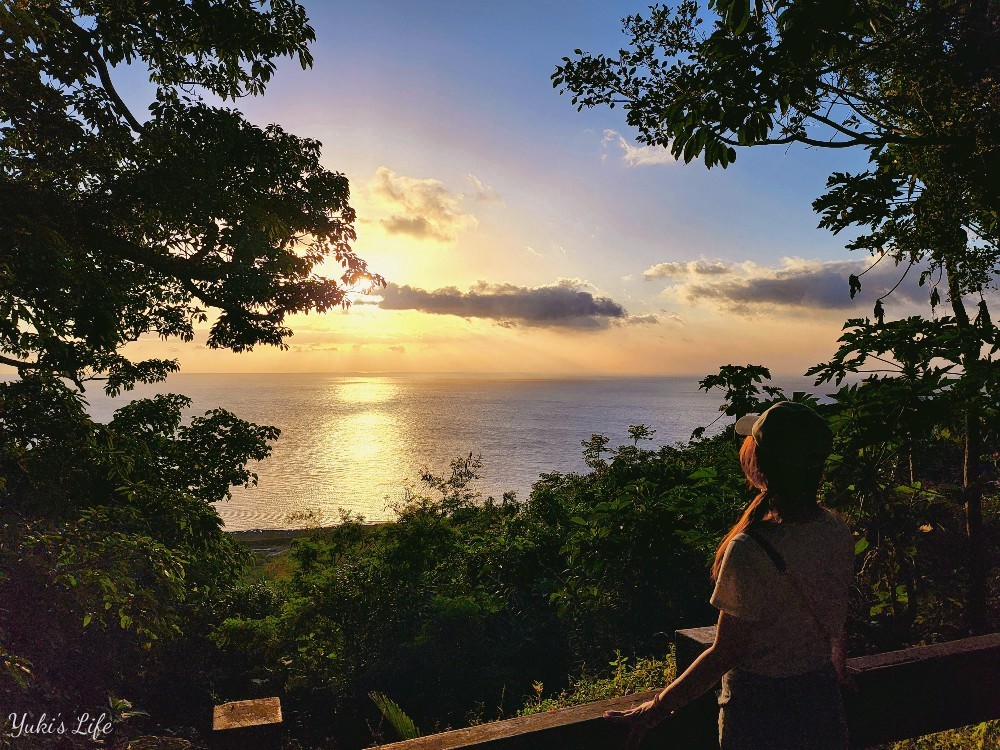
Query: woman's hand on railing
{"x": 639, "y": 720}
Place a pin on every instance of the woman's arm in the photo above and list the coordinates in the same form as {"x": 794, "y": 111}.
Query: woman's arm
{"x": 732, "y": 638}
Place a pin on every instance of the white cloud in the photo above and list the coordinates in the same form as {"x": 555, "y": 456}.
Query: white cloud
{"x": 482, "y": 192}
{"x": 638, "y": 156}
{"x": 421, "y": 208}
{"x": 678, "y": 269}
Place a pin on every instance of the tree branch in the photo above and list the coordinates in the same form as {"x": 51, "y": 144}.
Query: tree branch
{"x": 18, "y": 363}
{"x": 867, "y": 137}
{"x": 100, "y": 65}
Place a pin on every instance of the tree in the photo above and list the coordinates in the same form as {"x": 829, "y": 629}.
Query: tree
{"x": 113, "y": 226}
{"x": 116, "y": 225}
{"x": 915, "y": 85}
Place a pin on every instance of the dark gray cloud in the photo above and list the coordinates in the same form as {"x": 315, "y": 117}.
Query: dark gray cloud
{"x": 565, "y": 304}
{"x": 805, "y": 285}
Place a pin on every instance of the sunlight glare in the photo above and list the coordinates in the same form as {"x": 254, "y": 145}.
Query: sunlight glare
{"x": 366, "y": 391}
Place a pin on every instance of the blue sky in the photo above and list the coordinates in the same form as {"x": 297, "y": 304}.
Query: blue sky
{"x": 472, "y": 175}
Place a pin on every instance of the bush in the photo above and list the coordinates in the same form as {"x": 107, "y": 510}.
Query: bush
{"x": 462, "y": 604}
{"x": 109, "y": 538}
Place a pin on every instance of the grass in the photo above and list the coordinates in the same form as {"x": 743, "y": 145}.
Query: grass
{"x": 985, "y": 736}
{"x": 624, "y": 679}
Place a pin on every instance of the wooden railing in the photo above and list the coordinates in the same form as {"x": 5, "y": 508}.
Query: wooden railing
{"x": 899, "y": 694}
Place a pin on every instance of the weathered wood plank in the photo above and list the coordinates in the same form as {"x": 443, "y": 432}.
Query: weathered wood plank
{"x": 251, "y": 713}
{"x": 247, "y": 725}
{"x": 578, "y": 727}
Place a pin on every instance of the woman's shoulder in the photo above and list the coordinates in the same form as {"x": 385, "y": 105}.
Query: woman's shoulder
{"x": 741, "y": 547}
{"x": 745, "y": 559}
{"x": 827, "y": 530}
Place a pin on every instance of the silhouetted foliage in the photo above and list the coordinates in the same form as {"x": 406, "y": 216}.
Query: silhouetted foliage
{"x": 115, "y": 225}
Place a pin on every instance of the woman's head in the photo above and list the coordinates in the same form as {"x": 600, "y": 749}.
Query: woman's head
{"x": 782, "y": 456}
{"x": 789, "y": 488}
{"x": 789, "y": 436}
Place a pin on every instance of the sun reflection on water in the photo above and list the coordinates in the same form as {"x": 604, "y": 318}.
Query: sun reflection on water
{"x": 362, "y": 434}
{"x": 358, "y": 438}
{"x": 365, "y": 391}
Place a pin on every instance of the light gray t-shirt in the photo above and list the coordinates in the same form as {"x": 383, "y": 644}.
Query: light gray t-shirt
{"x": 787, "y": 641}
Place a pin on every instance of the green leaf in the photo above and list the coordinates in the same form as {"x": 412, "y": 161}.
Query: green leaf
{"x": 739, "y": 16}
{"x": 860, "y": 546}
{"x": 705, "y": 472}
{"x": 402, "y": 723}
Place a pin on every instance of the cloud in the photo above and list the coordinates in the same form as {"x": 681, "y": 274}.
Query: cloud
{"x": 638, "y": 156}
{"x": 566, "y": 304}
{"x": 800, "y": 285}
{"x": 424, "y": 209}
{"x": 643, "y": 319}
{"x": 675, "y": 269}
{"x": 358, "y": 299}
{"x": 483, "y": 193}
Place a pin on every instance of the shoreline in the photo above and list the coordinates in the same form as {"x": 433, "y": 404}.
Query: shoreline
{"x": 277, "y": 541}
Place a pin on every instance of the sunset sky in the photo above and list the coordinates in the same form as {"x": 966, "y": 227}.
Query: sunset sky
{"x": 490, "y": 204}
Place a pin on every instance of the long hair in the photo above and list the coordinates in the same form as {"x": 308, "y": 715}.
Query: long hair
{"x": 787, "y": 490}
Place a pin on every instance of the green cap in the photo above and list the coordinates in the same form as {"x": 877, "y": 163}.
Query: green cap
{"x": 789, "y": 432}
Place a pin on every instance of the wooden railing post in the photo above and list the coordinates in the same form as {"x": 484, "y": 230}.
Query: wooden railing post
{"x": 690, "y": 643}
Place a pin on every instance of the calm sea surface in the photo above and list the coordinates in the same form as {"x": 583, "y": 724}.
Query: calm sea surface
{"x": 357, "y": 442}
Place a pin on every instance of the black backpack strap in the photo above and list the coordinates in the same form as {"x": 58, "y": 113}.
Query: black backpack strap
{"x": 804, "y": 595}
{"x": 776, "y": 558}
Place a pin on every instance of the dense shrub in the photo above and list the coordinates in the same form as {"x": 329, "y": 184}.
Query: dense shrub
{"x": 112, "y": 559}
{"x": 459, "y": 607}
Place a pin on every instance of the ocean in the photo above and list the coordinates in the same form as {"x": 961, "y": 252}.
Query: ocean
{"x": 360, "y": 442}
